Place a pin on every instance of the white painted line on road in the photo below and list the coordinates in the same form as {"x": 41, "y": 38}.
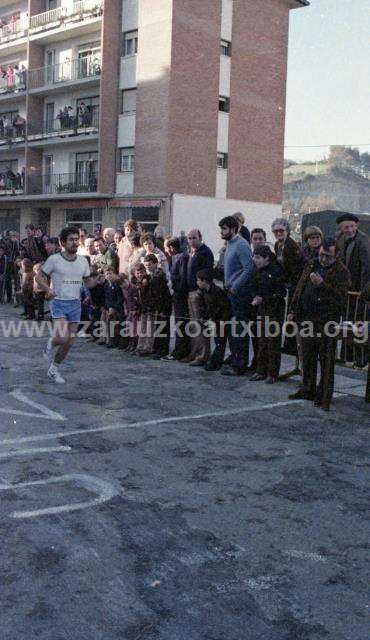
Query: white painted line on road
{"x": 305, "y": 555}
{"x": 45, "y": 412}
{"x": 104, "y": 489}
{"x": 25, "y": 452}
{"x": 150, "y": 423}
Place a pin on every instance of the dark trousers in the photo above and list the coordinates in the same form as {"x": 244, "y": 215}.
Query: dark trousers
{"x": 182, "y": 341}
{"x": 29, "y": 307}
{"x": 269, "y": 353}
{"x": 39, "y": 304}
{"x": 218, "y": 354}
{"x": 255, "y": 338}
{"x": 162, "y": 342}
{"x": 2, "y": 287}
{"x": 314, "y": 350}
{"x": 239, "y": 343}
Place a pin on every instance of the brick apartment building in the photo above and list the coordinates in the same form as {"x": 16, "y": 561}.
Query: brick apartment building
{"x": 176, "y": 116}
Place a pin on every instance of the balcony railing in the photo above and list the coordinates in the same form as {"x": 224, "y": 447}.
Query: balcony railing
{"x": 12, "y": 135}
{"x": 56, "y": 17}
{"x": 66, "y": 125}
{"x": 14, "y": 30}
{"x": 62, "y": 183}
{"x": 12, "y": 83}
{"x": 68, "y": 71}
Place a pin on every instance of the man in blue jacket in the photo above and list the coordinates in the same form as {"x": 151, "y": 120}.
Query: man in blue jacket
{"x": 238, "y": 265}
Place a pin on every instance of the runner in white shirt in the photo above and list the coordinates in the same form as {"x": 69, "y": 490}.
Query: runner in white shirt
{"x": 67, "y": 271}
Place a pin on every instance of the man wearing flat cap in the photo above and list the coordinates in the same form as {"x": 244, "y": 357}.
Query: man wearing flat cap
{"x": 354, "y": 251}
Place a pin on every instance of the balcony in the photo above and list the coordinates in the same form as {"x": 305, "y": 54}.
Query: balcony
{"x": 68, "y": 73}
{"x": 13, "y": 84}
{"x": 62, "y": 184}
{"x": 65, "y": 128}
{"x": 11, "y": 184}
{"x": 79, "y": 12}
{"x": 13, "y": 31}
{"x": 12, "y": 135}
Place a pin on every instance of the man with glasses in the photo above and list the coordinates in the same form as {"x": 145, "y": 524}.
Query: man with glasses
{"x": 319, "y": 302}
{"x": 200, "y": 257}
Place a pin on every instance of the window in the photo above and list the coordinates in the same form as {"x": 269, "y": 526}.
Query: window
{"x": 225, "y": 48}
{"x": 6, "y": 165}
{"x": 222, "y": 160}
{"x": 224, "y": 104}
{"x": 86, "y": 218}
{"x": 91, "y": 117}
{"x": 130, "y": 42}
{"x": 127, "y": 159}
{"x": 147, "y": 217}
{"x": 86, "y": 169}
{"x": 9, "y": 115}
{"x": 128, "y": 102}
{"x": 49, "y": 117}
{"x": 48, "y": 176}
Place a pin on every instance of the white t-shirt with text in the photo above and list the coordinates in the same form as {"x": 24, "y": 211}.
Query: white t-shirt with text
{"x": 66, "y": 275}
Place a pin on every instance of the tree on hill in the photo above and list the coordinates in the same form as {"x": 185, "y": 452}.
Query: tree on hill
{"x": 365, "y": 160}
{"x": 345, "y": 158}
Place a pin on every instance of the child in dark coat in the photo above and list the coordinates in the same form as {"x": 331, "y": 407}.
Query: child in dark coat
{"x": 27, "y": 289}
{"x": 217, "y": 308}
{"x": 269, "y": 294}
{"x": 156, "y": 304}
{"x": 113, "y": 306}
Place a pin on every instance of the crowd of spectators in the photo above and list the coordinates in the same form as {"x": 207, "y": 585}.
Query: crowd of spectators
{"x": 147, "y": 283}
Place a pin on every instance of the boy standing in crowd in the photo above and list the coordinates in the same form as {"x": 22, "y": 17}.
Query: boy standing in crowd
{"x": 113, "y": 307}
{"x": 218, "y": 310}
{"x": 268, "y": 292}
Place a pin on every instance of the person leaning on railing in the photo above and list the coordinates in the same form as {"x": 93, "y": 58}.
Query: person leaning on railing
{"x": 354, "y": 251}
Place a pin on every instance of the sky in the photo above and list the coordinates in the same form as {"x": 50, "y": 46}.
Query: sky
{"x": 328, "y": 99}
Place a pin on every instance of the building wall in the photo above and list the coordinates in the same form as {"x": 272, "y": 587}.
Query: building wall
{"x": 258, "y": 89}
{"x": 109, "y": 96}
{"x": 153, "y": 96}
{"x": 193, "y": 124}
{"x": 189, "y": 212}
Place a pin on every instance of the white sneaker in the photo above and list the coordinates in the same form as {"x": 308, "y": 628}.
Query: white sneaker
{"x": 48, "y": 353}
{"x": 54, "y": 375}
{"x": 83, "y": 334}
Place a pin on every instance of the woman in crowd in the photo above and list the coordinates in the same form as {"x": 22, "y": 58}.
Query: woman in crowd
{"x": 313, "y": 239}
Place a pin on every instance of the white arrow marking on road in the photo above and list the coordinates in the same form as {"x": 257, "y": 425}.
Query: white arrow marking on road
{"x": 44, "y": 412}
{"x": 104, "y": 489}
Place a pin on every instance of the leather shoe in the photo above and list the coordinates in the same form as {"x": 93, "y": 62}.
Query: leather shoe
{"x": 257, "y": 377}
{"x": 197, "y": 363}
{"x": 212, "y": 367}
{"x": 230, "y": 371}
{"x": 270, "y": 380}
{"x": 300, "y": 395}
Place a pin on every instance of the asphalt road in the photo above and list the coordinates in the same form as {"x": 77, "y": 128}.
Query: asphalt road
{"x": 147, "y": 500}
